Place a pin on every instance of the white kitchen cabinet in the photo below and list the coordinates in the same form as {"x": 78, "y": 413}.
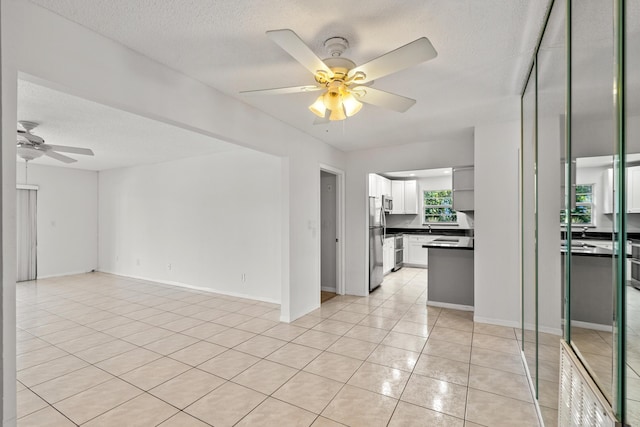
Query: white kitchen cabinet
{"x": 373, "y": 185}
{"x": 405, "y": 197}
{"x": 379, "y": 186}
{"x": 633, "y": 189}
{"x": 416, "y": 255}
{"x": 388, "y": 255}
{"x": 397, "y": 193}
{"x": 607, "y": 191}
{"x": 411, "y": 197}
{"x": 386, "y": 187}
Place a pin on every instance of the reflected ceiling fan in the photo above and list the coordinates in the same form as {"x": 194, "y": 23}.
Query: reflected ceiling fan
{"x": 32, "y": 146}
{"x": 346, "y": 85}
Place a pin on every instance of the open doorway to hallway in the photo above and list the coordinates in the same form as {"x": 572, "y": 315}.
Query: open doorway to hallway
{"x": 331, "y": 214}
{"x": 328, "y": 236}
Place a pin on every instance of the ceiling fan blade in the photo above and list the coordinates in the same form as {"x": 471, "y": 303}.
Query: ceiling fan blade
{"x": 294, "y": 46}
{"x": 74, "y": 150}
{"x": 404, "y": 57}
{"x": 383, "y": 99}
{"x": 59, "y": 156}
{"x": 283, "y": 90}
{"x": 31, "y": 137}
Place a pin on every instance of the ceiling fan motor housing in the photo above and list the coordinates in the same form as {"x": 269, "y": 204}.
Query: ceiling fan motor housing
{"x": 336, "y": 46}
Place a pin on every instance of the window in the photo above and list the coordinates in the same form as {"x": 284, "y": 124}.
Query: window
{"x": 583, "y": 212}
{"x": 438, "y": 206}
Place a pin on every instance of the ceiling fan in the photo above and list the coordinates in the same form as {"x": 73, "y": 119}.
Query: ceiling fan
{"x": 32, "y": 146}
{"x": 346, "y": 85}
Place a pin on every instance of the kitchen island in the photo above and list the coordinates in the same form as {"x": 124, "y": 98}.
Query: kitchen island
{"x": 450, "y": 275}
{"x": 591, "y": 288}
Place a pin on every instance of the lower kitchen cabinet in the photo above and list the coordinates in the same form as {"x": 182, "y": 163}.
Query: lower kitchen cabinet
{"x": 414, "y": 254}
{"x": 388, "y": 255}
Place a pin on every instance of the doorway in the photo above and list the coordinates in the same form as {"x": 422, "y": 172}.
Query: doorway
{"x": 26, "y": 233}
{"x": 331, "y": 243}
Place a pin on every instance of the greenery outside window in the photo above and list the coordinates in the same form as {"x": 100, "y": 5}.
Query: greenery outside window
{"x": 583, "y": 212}
{"x": 438, "y": 207}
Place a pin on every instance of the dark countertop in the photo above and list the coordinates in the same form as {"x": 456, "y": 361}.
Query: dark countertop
{"x": 597, "y": 235}
{"x": 580, "y": 251}
{"x": 465, "y": 243}
{"x": 437, "y": 231}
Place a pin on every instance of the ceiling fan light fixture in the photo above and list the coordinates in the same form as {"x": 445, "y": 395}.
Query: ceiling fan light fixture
{"x": 28, "y": 153}
{"x": 318, "y": 108}
{"x": 332, "y": 99}
{"x": 337, "y": 114}
{"x": 351, "y": 104}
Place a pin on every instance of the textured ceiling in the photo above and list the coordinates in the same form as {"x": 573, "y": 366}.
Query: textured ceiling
{"x": 117, "y": 138}
{"x": 484, "y": 49}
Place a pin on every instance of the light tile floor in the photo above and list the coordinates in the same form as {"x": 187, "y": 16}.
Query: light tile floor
{"x": 103, "y": 350}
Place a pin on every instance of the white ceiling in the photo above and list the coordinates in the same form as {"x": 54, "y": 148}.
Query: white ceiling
{"x": 484, "y": 49}
{"x": 117, "y": 138}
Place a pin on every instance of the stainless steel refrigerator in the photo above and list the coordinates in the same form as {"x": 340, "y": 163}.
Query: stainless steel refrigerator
{"x": 377, "y": 231}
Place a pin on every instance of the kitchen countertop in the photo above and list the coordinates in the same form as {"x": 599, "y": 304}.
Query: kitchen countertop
{"x": 448, "y": 243}
{"x": 588, "y": 251}
{"x": 437, "y": 231}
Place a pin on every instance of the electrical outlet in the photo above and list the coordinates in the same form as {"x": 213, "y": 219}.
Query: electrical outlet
{"x": 244, "y": 277}
{"x": 137, "y": 261}
{"x": 168, "y": 266}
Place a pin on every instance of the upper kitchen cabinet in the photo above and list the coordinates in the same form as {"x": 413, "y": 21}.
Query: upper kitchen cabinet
{"x": 397, "y": 193}
{"x": 385, "y": 185}
{"x": 405, "y": 197}
{"x": 463, "y": 189}
{"x": 633, "y": 189}
{"x": 411, "y": 197}
{"x": 379, "y": 186}
{"x": 373, "y": 185}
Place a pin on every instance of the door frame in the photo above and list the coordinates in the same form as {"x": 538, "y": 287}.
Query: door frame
{"x": 340, "y": 228}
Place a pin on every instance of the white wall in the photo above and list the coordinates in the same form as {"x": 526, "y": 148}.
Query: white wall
{"x": 213, "y": 218}
{"x": 497, "y": 250}
{"x": 66, "y": 56}
{"x": 455, "y": 150}
{"x": 328, "y": 231}
{"x": 67, "y": 213}
{"x": 443, "y": 182}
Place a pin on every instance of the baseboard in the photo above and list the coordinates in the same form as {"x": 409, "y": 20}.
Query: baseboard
{"x": 328, "y": 289}
{"x": 406, "y": 264}
{"x": 497, "y": 322}
{"x": 544, "y": 329}
{"x": 71, "y": 273}
{"x": 197, "y": 288}
{"x": 451, "y": 306}
{"x": 593, "y": 326}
